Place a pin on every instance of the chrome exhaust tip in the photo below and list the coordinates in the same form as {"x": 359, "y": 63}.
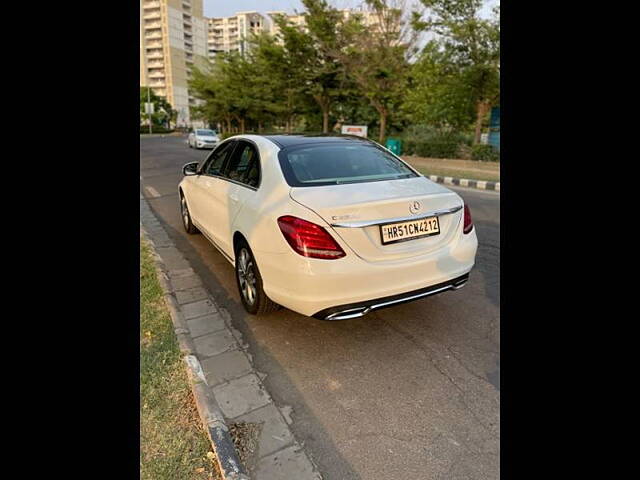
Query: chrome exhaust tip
{"x": 347, "y": 314}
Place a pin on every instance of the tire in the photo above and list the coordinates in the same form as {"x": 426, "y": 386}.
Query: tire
{"x": 188, "y": 225}
{"x": 249, "y": 282}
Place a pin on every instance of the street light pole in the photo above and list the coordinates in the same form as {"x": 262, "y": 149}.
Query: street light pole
{"x": 149, "y": 107}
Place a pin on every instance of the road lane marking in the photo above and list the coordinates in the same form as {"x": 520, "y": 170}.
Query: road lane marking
{"x": 153, "y": 192}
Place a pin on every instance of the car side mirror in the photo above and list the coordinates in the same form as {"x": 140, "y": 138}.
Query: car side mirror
{"x": 190, "y": 169}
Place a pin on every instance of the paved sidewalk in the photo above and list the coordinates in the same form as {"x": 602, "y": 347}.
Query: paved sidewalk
{"x": 229, "y": 375}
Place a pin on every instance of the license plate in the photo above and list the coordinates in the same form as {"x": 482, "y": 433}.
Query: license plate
{"x": 401, "y": 232}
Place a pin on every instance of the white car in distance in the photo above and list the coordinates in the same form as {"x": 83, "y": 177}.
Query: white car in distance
{"x": 332, "y": 227}
{"x": 203, "y": 138}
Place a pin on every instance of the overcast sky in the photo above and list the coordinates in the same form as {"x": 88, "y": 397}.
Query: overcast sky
{"x": 226, "y": 8}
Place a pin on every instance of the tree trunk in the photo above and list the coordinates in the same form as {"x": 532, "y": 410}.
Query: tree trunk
{"x": 481, "y": 111}
{"x": 383, "y": 126}
{"x": 241, "y": 124}
{"x": 259, "y": 127}
{"x": 325, "y": 119}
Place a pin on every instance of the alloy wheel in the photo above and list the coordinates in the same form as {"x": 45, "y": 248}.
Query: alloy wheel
{"x": 185, "y": 212}
{"x": 246, "y": 276}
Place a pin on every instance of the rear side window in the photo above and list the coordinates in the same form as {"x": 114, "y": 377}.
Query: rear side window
{"x": 244, "y": 165}
{"x": 216, "y": 161}
{"x": 335, "y": 164}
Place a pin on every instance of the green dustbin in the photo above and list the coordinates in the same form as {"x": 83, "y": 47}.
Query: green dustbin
{"x": 395, "y": 145}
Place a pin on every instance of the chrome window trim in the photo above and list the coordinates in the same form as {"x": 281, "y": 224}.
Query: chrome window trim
{"x": 386, "y": 221}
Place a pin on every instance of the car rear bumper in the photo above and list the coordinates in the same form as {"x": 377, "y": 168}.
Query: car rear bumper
{"x": 354, "y": 310}
{"x": 321, "y": 288}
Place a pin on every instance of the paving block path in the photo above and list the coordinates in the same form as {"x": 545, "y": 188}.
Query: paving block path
{"x": 227, "y": 366}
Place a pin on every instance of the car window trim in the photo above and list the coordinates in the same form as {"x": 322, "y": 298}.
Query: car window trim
{"x": 209, "y": 158}
{"x": 226, "y": 164}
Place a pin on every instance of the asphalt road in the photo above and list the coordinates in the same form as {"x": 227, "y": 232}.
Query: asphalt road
{"x": 409, "y": 392}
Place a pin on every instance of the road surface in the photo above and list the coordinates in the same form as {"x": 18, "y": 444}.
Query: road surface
{"x": 409, "y": 392}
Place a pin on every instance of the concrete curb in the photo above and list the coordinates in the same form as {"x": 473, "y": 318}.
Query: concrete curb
{"x": 464, "y": 182}
{"x": 208, "y": 409}
{"x": 228, "y": 389}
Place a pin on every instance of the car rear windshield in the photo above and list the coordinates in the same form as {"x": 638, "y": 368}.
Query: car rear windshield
{"x": 205, "y": 133}
{"x": 335, "y": 164}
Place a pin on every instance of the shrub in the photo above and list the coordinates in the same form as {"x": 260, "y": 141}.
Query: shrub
{"x": 485, "y": 153}
{"x": 145, "y": 129}
{"x": 426, "y": 141}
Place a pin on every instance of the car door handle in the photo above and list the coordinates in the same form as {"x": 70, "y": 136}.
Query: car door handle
{"x": 233, "y": 198}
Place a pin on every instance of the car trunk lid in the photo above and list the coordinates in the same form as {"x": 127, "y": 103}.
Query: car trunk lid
{"x": 348, "y": 205}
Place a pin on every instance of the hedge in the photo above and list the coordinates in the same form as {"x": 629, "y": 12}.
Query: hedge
{"x": 485, "y": 153}
{"x": 155, "y": 129}
{"x": 432, "y": 149}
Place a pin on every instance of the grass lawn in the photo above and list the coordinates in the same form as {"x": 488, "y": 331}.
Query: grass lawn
{"x": 456, "y": 168}
{"x": 173, "y": 444}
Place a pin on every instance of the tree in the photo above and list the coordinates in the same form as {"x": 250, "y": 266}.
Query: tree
{"x": 225, "y": 90}
{"x": 470, "y": 45}
{"x": 438, "y": 94}
{"x": 377, "y": 61}
{"x": 163, "y": 111}
{"x": 322, "y": 74}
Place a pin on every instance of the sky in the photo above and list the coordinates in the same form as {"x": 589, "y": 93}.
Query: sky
{"x": 226, "y": 8}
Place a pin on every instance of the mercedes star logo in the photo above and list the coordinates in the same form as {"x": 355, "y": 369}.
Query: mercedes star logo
{"x": 415, "y": 206}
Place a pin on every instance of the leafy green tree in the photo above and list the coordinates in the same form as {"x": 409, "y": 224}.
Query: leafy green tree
{"x": 323, "y": 75}
{"x": 280, "y": 62}
{"x": 468, "y": 53}
{"x": 163, "y": 114}
{"x": 377, "y": 61}
{"x": 438, "y": 93}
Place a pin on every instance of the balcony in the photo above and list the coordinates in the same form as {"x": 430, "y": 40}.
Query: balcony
{"x": 153, "y": 5}
{"x": 155, "y": 54}
{"x": 154, "y": 35}
{"x": 157, "y": 83}
{"x": 155, "y": 64}
{"x": 159, "y": 74}
{"x": 154, "y": 45}
{"x": 152, "y": 15}
{"x": 152, "y": 25}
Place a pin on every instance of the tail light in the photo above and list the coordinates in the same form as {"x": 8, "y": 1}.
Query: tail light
{"x": 309, "y": 239}
{"x": 468, "y": 223}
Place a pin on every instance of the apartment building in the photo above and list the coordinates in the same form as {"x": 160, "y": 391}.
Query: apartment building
{"x": 370, "y": 19}
{"x": 228, "y": 34}
{"x": 297, "y": 19}
{"x": 173, "y": 38}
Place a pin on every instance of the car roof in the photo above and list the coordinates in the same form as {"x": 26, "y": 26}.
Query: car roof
{"x": 289, "y": 140}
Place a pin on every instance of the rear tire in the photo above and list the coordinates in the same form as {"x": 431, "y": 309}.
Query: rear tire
{"x": 188, "y": 225}
{"x": 249, "y": 282}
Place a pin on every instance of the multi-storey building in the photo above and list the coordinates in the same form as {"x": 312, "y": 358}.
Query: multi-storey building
{"x": 230, "y": 34}
{"x": 297, "y": 19}
{"x": 172, "y": 40}
{"x": 370, "y": 19}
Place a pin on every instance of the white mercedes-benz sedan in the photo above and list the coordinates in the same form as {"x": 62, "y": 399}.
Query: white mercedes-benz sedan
{"x": 332, "y": 227}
